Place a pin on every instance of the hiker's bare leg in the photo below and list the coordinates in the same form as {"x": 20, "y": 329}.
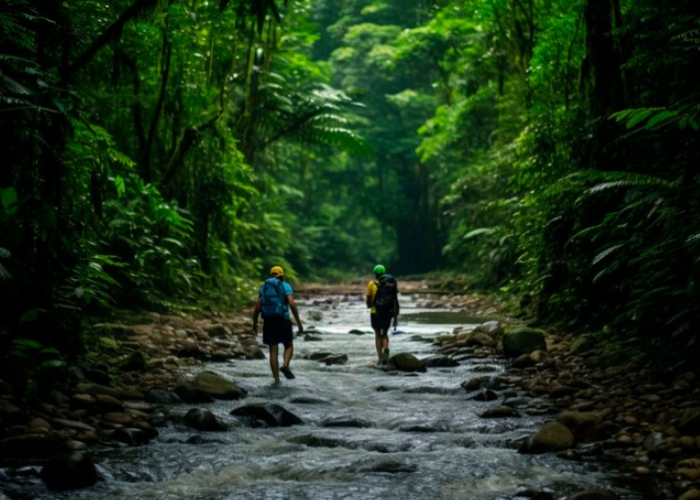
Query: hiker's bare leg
{"x": 274, "y": 363}
{"x": 288, "y": 352}
{"x": 378, "y": 342}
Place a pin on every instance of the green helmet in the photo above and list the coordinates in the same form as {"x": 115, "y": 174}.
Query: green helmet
{"x": 379, "y": 269}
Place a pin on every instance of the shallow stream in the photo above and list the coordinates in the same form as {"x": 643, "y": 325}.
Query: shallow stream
{"x": 424, "y": 440}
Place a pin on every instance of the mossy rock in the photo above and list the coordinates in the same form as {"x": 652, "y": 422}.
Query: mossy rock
{"x": 523, "y": 340}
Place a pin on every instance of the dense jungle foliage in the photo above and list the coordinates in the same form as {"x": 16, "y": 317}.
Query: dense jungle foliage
{"x": 163, "y": 154}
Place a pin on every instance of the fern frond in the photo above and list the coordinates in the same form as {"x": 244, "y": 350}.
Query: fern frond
{"x": 605, "y": 253}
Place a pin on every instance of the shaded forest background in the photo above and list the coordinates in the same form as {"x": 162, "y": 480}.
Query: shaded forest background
{"x": 163, "y": 154}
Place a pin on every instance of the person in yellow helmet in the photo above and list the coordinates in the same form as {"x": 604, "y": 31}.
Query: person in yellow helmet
{"x": 275, "y": 300}
{"x": 383, "y": 303}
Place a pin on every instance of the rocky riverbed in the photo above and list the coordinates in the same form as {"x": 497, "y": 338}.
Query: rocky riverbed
{"x": 155, "y": 371}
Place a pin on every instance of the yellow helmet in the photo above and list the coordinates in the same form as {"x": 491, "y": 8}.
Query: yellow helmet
{"x": 276, "y": 271}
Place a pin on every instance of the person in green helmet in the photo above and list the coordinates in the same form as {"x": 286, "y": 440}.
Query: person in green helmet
{"x": 383, "y": 303}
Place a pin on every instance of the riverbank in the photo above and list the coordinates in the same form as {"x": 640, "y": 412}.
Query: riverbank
{"x": 621, "y": 414}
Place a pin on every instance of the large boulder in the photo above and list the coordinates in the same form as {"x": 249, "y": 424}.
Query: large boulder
{"x": 584, "y": 425}
{"x": 68, "y": 472}
{"x": 204, "y": 420}
{"x": 552, "y": 436}
{"x": 406, "y": 362}
{"x": 217, "y": 386}
{"x": 523, "y": 340}
{"x": 271, "y": 414}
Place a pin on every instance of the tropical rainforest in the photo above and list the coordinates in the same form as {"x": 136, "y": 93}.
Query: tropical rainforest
{"x": 163, "y": 154}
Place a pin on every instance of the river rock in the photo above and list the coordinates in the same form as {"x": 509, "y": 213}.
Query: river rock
{"x": 351, "y": 422}
{"x": 384, "y": 466}
{"x": 440, "y": 362}
{"x": 406, "y": 362}
{"x": 317, "y": 356}
{"x": 31, "y": 446}
{"x": 356, "y": 332}
{"x": 64, "y": 423}
{"x": 271, "y": 414}
{"x": 594, "y": 495}
{"x": 539, "y": 356}
{"x": 473, "y": 384}
{"x": 486, "y": 395}
{"x": 188, "y": 393}
{"x": 83, "y": 401}
{"x": 480, "y": 339}
{"x": 500, "y": 412}
{"x": 218, "y": 387}
{"x": 117, "y": 418}
{"x": 108, "y": 403}
{"x": 584, "y": 425}
{"x": 691, "y": 494}
{"x": 552, "y": 436}
{"x": 315, "y": 315}
{"x": 312, "y": 338}
{"x": 11, "y": 414}
{"x": 132, "y": 437}
{"x": 98, "y": 376}
{"x": 492, "y": 328}
{"x": 338, "y": 359}
{"x": 96, "y": 389}
{"x": 524, "y": 361}
{"x": 162, "y": 397}
{"x": 69, "y": 472}
{"x": 319, "y": 441}
{"x": 38, "y": 424}
{"x": 523, "y": 340}
{"x": 204, "y": 420}
{"x": 218, "y": 330}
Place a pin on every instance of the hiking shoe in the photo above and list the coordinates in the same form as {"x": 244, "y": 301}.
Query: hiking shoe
{"x": 287, "y": 372}
{"x": 385, "y": 356}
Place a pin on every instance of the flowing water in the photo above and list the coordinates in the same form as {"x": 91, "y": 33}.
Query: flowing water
{"x": 424, "y": 439}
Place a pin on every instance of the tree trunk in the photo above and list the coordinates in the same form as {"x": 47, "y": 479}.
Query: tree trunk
{"x": 606, "y": 85}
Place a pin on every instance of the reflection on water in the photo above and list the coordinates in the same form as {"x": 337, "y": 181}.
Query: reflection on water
{"x": 421, "y": 436}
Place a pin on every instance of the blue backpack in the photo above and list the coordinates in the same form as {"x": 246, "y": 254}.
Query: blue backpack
{"x": 274, "y": 299}
{"x": 387, "y": 293}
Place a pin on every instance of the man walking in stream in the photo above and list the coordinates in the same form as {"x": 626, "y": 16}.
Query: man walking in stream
{"x": 383, "y": 303}
{"x": 274, "y": 302}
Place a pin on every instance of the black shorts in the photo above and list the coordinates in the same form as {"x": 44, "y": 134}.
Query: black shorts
{"x": 277, "y": 331}
{"x": 380, "y": 322}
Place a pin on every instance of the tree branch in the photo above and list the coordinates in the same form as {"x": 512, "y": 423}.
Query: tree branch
{"x": 112, "y": 33}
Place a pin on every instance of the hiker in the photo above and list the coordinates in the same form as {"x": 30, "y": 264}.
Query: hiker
{"x": 274, "y": 302}
{"x": 383, "y": 303}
